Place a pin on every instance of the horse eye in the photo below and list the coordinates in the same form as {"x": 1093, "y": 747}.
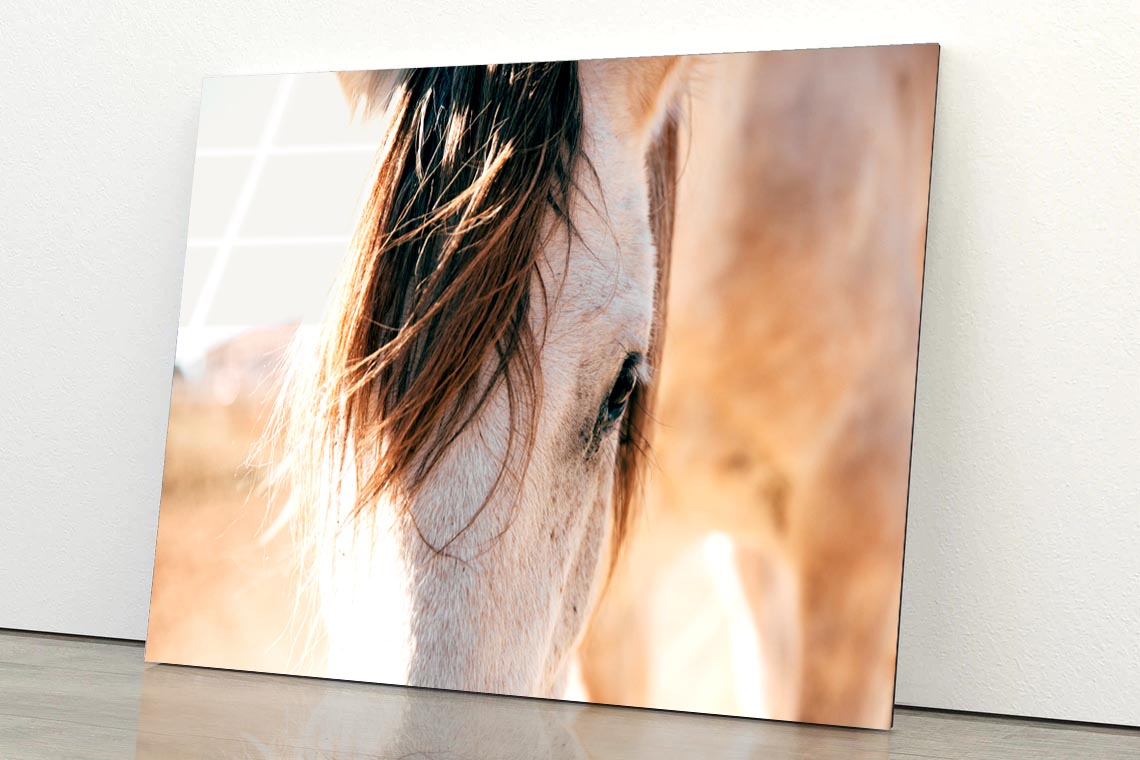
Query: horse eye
{"x": 622, "y": 389}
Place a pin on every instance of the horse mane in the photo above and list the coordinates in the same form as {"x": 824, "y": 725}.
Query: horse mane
{"x": 431, "y": 310}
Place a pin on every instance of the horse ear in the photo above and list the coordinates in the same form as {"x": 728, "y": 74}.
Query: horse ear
{"x": 367, "y": 92}
{"x": 644, "y": 90}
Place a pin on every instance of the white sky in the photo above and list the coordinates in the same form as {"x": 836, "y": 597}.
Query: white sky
{"x": 277, "y": 178}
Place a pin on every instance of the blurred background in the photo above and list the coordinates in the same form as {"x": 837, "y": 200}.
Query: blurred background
{"x": 277, "y": 176}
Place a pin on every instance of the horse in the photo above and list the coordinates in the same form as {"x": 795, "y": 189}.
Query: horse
{"x": 786, "y": 388}
{"x": 463, "y": 446}
{"x": 593, "y": 312}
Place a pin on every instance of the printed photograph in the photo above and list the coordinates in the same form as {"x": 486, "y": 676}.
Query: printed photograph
{"x": 582, "y": 380}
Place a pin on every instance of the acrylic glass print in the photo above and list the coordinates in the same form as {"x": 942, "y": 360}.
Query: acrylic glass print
{"x": 587, "y": 380}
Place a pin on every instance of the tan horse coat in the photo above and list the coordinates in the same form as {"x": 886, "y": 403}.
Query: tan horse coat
{"x": 787, "y": 383}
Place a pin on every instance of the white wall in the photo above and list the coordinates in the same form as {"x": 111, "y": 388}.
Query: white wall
{"x": 1022, "y": 588}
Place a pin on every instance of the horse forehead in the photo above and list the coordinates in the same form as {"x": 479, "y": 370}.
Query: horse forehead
{"x": 603, "y": 276}
{"x": 603, "y": 273}
{"x": 611, "y": 252}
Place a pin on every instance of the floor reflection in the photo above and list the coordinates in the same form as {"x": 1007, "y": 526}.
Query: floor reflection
{"x": 192, "y": 712}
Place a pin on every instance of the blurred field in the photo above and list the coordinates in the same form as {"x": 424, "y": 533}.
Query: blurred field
{"x": 222, "y": 595}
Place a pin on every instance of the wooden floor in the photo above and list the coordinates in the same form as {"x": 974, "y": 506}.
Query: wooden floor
{"x": 65, "y": 697}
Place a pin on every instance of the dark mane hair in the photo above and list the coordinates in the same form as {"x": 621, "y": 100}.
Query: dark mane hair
{"x": 432, "y": 310}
